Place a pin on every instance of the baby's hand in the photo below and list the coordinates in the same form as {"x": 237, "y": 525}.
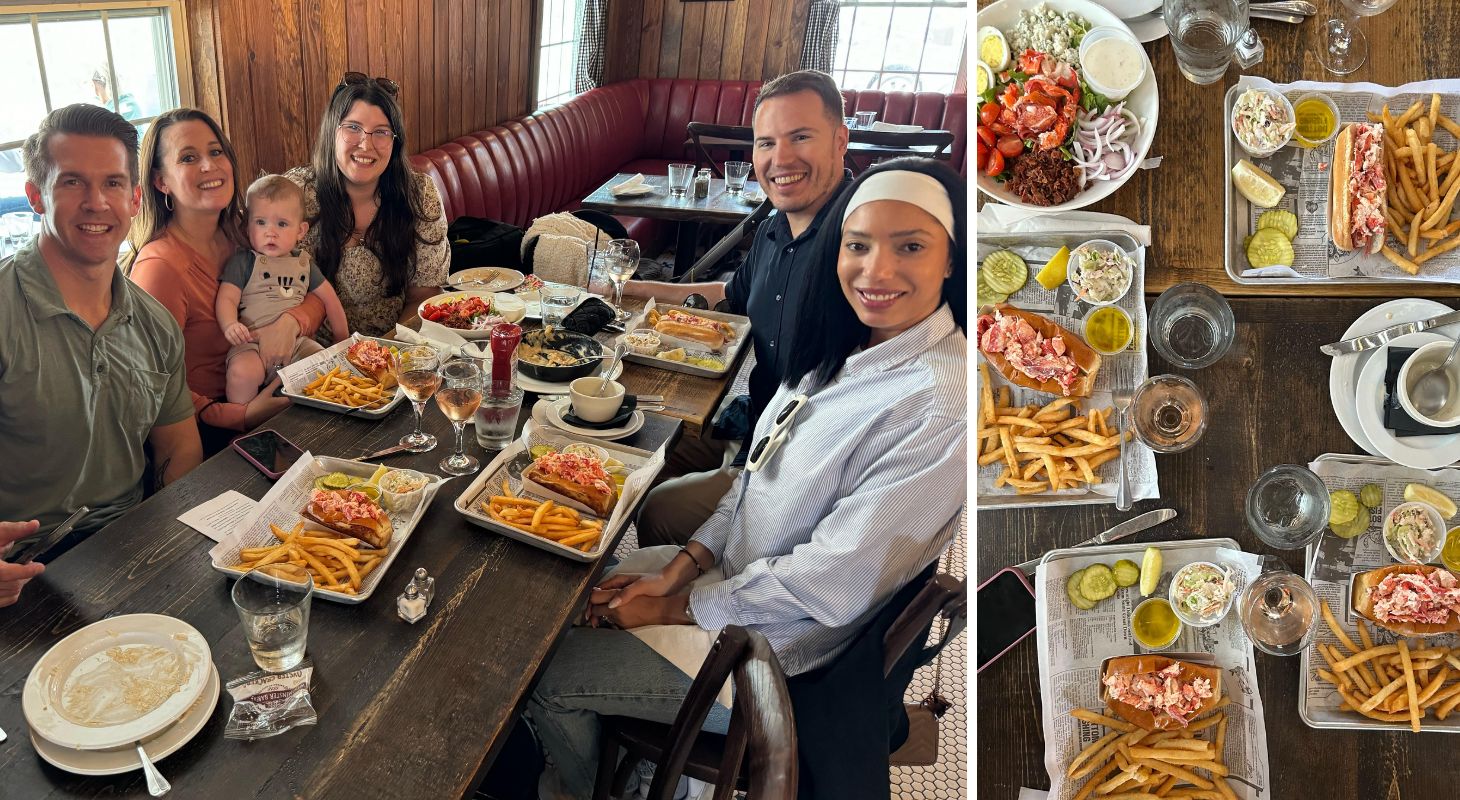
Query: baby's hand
{"x": 237, "y": 334}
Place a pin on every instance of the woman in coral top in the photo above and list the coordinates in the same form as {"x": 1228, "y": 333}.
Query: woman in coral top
{"x": 189, "y": 225}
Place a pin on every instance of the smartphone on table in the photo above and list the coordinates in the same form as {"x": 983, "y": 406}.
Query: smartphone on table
{"x": 268, "y": 451}
{"x": 1005, "y": 614}
{"x": 35, "y": 548}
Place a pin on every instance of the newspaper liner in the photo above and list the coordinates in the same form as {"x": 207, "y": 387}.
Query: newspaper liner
{"x": 1129, "y": 368}
{"x": 1073, "y": 644}
{"x": 728, "y": 354}
{"x": 1305, "y": 173}
{"x": 299, "y": 374}
{"x": 1333, "y": 561}
{"x": 290, "y": 494}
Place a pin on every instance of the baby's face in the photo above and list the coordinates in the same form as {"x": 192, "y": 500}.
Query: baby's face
{"x": 275, "y": 226}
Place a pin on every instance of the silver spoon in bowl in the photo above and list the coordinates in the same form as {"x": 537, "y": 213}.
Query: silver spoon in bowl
{"x": 1432, "y": 391}
{"x": 619, "y": 351}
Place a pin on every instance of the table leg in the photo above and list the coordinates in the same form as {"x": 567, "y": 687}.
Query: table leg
{"x": 684, "y": 247}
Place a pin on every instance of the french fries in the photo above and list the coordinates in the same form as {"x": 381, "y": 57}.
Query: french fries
{"x": 341, "y": 386}
{"x": 1043, "y": 448}
{"x": 1424, "y": 184}
{"x": 1127, "y": 763}
{"x": 1391, "y": 682}
{"x": 544, "y": 518}
{"x": 335, "y": 564}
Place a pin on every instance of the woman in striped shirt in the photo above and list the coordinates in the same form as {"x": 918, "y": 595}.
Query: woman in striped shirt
{"x": 854, "y": 487}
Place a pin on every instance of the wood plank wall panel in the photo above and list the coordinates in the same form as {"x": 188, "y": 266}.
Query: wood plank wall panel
{"x": 749, "y": 40}
{"x": 267, "y": 69}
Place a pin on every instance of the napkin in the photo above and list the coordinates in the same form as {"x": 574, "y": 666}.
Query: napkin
{"x": 1396, "y": 418}
{"x": 996, "y": 217}
{"x": 446, "y": 341}
{"x": 631, "y": 186}
{"x": 894, "y": 128}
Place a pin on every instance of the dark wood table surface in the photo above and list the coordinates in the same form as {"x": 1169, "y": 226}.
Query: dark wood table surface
{"x": 404, "y": 710}
{"x": 1268, "y": 402}
{"x": 689, "y": 212}
{"x": 1182, "y": 200}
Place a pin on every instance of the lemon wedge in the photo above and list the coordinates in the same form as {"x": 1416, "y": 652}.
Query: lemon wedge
{"x": 1260, "y": 188}
{"x": 1429, "y": 495}
{"x": 1150, "y": 571}
{"x": 1055, "y": 271}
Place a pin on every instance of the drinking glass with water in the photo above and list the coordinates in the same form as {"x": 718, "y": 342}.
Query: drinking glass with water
{"x": 735, "y": 174}
{"x": 273, "y": 604}
{"x": 1204, "y": 35}
{"x": 1192, "y": 326}
{"x": 1288, "y": 507}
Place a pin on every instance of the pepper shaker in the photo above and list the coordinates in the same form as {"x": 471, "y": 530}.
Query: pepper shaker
{"x": 410, "y": 605}
{"x": 702, "y": 184}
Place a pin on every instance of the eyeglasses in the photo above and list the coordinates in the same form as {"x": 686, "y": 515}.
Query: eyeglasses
{"x": 359, "y": 78}
{"x": 353, "y": 133}
{"x": 761, "y": 454}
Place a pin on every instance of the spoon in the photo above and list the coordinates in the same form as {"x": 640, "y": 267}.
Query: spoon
{"x": 157, "y": 785}
{"x": 1432, "y": 391}
{"x": 618, "y": 353}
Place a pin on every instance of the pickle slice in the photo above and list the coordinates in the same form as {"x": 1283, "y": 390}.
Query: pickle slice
{"x": 1005, "y": 272}
{"x": 334, "y": 480}
{"x": 1098, "y": 582}
{"x": 1357, "y": 526}
{"x": 1277, "y": 219}
{"x": 1269, "y": 248}
{"x": 1343, "y": 507}
{"x": 1126, "y": 573}
{"x": 1372, "y": 495}
{"x": 986, "y": 295}
{"x": 1072, "y": 589}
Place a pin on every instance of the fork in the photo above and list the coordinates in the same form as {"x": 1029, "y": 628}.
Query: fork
{"x": 1122, "y": 400}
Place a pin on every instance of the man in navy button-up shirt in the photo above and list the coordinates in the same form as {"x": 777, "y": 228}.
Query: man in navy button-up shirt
{"x": 800, "y": 143}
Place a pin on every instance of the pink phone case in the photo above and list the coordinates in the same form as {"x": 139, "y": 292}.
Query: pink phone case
{"x": 1018, "y": 573}
{"x": 272, "y": 475}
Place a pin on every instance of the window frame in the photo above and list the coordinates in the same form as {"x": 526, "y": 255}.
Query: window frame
{"x": 540, "y": 20}
{"x": 840, "y": 70}
{"x": 176, "y": 22}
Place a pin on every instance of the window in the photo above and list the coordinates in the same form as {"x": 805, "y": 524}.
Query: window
{"x": 124, "y": 56}
{"x": 557, "y": 51}
{"x": 900, "y": 45}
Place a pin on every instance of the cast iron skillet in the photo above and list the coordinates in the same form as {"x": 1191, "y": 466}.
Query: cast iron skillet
{"x": 575, "y": 344}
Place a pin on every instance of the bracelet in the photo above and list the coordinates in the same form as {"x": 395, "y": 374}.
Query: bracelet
{"x": 685, "y": 550}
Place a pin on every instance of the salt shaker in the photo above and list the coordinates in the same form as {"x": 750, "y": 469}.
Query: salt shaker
{"x": 410, "y": 605}
{"x": 702, "y": 184}
{"x": 425, "y": 585}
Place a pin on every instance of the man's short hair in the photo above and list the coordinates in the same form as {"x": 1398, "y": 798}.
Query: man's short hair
{"x": 806, "y": 80}
{"x": 80, "y": 119}
{"x": 275, "y": 188}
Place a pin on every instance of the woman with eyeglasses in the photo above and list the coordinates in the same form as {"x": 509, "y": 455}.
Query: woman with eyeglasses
{"x": 377, "y": 229}
{"x": 854, "y": 486}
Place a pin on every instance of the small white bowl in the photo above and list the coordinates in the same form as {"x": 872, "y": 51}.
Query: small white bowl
{"x": 1199, "y": 622}
{"x": 1283, "y": 101}
{"x": 1436, "y": 521}
{"x": 1094, "y": 35}
{"x": 1076, "y": 268}
{"x": 642, "y": 341}
{"x": 591, "y": 407}
{"x": 1419, "y": 363}
{"x": 403, "y": 502}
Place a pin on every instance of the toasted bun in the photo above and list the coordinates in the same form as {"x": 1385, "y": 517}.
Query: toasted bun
{"x": 1340, "y": 205}
{"x": 1363, "y": 606}
{"x": 1134, "y": 665}
{"x": 375, "y": 533}
{"x": 1085, "y": 358}
{"x": 692, "y": 333}
{"x": 599, "y": 501}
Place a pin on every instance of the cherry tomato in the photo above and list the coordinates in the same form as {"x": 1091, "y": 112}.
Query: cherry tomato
{"x": 1010, "y": 146}
{"x": 1001, "y": 129}
{"x": 988, "y": 112}
{"x": 995, "y": 163}
{"x": 983, "y": 154}
{"x": 986, "y": 135}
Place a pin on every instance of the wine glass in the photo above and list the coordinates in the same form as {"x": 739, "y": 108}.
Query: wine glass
{"x": 622, "y": 261}
{"x": 458, "y": 397}
{"x": 1345, "y": 46}
{"x": 415, "y": 371}
{"x": 1279, "y": 610}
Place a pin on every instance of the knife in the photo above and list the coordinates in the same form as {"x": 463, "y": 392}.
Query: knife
{"x": 400, "y": 448}
{"x": 1381, "y": 338}
{"x": 1150, "y": 519}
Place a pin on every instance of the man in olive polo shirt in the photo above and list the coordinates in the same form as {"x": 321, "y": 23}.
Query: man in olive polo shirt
{"x": 91, "y": 367}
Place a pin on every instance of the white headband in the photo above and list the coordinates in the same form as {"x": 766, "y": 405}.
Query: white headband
{"x": 923, "y": 191}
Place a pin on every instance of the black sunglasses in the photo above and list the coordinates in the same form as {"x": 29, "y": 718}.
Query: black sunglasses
{"x": 359, "y": 78}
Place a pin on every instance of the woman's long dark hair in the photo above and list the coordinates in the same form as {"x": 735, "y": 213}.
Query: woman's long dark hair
{"x": 828, "y": 329}
{"x": 392, "y": 235}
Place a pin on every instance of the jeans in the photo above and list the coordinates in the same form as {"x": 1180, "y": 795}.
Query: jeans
{"x": 603, "y": 671}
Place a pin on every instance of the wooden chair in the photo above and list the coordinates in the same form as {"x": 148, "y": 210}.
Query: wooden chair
{"x": 943, "y": 595}
{"x": 940, "y": 140}
{"x": 760, "y": 722}
{"x": 704, "y": 135}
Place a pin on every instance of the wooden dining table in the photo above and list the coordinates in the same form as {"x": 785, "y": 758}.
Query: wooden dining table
{"x": 405, "y": 711}
{"x": 689, "y": 212}
{"x": 1268, "y": 404}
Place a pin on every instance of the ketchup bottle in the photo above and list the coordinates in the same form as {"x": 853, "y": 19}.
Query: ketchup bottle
{"x": 505, "y": 338}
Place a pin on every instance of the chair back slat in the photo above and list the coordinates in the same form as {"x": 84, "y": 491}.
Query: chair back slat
{"x": 943, "y": 594}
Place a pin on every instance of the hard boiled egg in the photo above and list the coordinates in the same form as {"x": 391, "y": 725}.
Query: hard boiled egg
{"x": 993, "y": 48}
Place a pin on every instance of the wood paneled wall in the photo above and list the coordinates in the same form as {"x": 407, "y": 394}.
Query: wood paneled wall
{"x": 266, "y": 68}
{"x": 724, "y": 40}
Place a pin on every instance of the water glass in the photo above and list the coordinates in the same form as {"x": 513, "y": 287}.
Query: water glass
{"x": 681, "y": 177}
{"x": 1279, "y": 610}
{"x": 458, "y": 397}
{"x": 273, "y": 605}
{"x": 557, "y": 300}
{"x": 851, "y": 122}
{"x": 865, "y": 119}
{"x": 735, "y": 174}
{"x": 1204, "y": 35}
{"x": 1192, "y": 326}
{"x": 416, "y": 372}
{"x": 1169, "y": 412}
{"x": 496, "y": 420}
{"x": 1288, "y": 507}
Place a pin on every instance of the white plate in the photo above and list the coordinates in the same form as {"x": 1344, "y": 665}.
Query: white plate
{"x": 1419, "y": 452}
{"x": 498, "y": 279}
{"x": 529, "y": 384}
{"x": 1143, "y": 102}
{"x": 88, "y": 649}
{"x": 553, "y": 412}
{"x": 510, "y": 306}
{"x": 1343, "y": 374}
{"x": 1128, "y": 9}
{"x": 1148, "y": 28}
{"x": 124, "y": 759}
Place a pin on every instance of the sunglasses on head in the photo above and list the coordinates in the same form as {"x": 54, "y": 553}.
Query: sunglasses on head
{"x": 359, "y": 78}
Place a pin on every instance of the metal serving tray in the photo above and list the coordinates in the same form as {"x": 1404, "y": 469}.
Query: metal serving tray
{"x": 731, "y": 357}
{"x": 335, "y": 354}
{"x": 1133, "y": 303}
